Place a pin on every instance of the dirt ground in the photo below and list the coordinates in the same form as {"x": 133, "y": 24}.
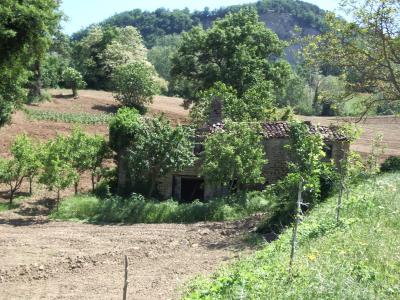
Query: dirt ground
{"x": 387, "y": 126}
{"x": 57, "y": 260}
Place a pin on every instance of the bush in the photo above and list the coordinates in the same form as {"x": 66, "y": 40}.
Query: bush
{"x": 135, "y": 85}
{"x": 73, "y": 80}
{"x": 137, "y": 209}
{"x": 392, "y": 164}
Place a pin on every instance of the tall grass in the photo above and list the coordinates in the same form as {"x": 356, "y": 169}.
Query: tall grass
{"x": 137, "y": 209}
{"x": 78, "y": 118}
{"x": 357, "y": 259}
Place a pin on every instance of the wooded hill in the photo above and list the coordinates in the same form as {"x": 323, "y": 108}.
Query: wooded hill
{"x": 282, "y": 16}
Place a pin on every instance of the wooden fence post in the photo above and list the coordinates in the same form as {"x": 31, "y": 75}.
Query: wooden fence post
{"x": 126, "y": 282}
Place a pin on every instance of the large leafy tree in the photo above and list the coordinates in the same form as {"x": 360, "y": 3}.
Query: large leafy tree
{"x": 103, "y": 49}
{"x": 234, "y": 156}
{"x": 158, "y": 149}
{"x": 25, "y": 33}
{"x": 236, "y": 50}
{"x": 256, "y": 104}
{"x": 366, "y": 49}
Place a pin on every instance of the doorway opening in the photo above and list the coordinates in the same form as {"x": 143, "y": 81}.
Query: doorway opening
{"x": 192, "y": 188}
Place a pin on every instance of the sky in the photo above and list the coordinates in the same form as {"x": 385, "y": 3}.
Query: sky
{"x": 82, "y": 13}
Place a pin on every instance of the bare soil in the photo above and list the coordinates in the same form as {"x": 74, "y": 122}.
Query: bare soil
{"x": 387, "y": 126}
{"x": 59, "y": 260}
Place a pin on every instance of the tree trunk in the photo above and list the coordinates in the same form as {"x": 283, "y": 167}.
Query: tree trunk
{"x": 30, "y": 185}
{"x": 11, "y": 196}
{"x": 36, "y": 87}
{"x": 76, "y": 185}
{"x": 152, "y": 186}
{"x": 93, "y": 183}
{"x": 75, "y": 92}
{"x": 58, "y": 198}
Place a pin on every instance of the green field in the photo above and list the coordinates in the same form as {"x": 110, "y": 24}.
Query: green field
{"x": 78, "y": 118}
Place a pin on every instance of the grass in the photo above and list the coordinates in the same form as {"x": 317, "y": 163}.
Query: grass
{"x": 78, "y": 118}
{"x": 139, "y": 210}
{"x": 6, "y": 206}
{"x": 357, "y": 259}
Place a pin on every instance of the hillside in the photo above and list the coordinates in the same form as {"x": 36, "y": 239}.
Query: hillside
{"x": 280, "y": 15}
{"x": 359, "y": 259}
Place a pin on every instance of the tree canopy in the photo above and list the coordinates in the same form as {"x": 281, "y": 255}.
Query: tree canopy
{"x": 26, "y": 28}
{"x": 365, "y": 49}
{"x": 237, "y": 50}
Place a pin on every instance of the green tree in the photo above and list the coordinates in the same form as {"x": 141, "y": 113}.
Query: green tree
{"x": 307, "y": 152}
{"x": 27, "y": 155}
{"x": 86, "y": 153}
{"x": 103, "y": 49}
{"x": 365, "y": 49}
{"x": 236, "y": 50}
{"x": 162, "y": 53}
{"x": 25, "y": 32}
{"x": 256, "y": 104}
{"x": 73, "y": 80}
{"x": 12, "y": 175}
{"x": 234, "y": 156}
{"x": 135, "y": 85}
{"x": 158, "y": 149}
{"x": 127, "y": 47}
{"x": 58, "y": 172}
{"x": 23, "y": 164}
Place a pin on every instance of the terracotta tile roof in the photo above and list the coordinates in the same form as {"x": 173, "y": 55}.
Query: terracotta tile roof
{"x": 281, "y": 129}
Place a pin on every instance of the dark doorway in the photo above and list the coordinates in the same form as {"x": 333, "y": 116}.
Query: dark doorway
{"x": 192, "y": 188}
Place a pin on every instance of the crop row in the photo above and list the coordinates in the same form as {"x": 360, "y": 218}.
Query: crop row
{"x": 79, "y": 118}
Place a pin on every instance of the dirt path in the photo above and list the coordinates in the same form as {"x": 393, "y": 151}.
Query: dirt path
{"x": 62, "y": 260}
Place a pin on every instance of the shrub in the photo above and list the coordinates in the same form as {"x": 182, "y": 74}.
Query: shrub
{"x": 392, "y": 164}
{"x": 137, "y": 209}
{"x": 135, "y": 85}
{"x": 123, "y": 128}
{"x": 73, "y": 80}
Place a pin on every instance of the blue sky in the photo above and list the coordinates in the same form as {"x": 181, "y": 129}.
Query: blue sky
{"x": 82, "y": 13}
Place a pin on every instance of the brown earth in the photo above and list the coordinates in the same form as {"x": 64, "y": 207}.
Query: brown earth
{"x": 387, "y": 126}
{"x": 60, "y": 260}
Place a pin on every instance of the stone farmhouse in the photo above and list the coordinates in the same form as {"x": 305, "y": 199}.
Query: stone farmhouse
{"x": 187, "y": 185}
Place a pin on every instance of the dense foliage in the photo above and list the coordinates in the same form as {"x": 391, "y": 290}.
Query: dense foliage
{"x": 236, "y": 50}
{"x": 234, "y": 156}
{"x": 163, "y": 22}
{"x": 25, "y": 33}
{"x": 103, "y": 49}
{"x": 73, "y": 80}
{"x": 257, "y": 104}
{"x": 158, "y": 148}
{"x": 138, "y": 209}
{"x": 123, "y": 128}
{"x": 365, "y": 50}
{"x": 135, "y": 85}
{"x": 392, "y": 164}
{"x": 24, "y": 163}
